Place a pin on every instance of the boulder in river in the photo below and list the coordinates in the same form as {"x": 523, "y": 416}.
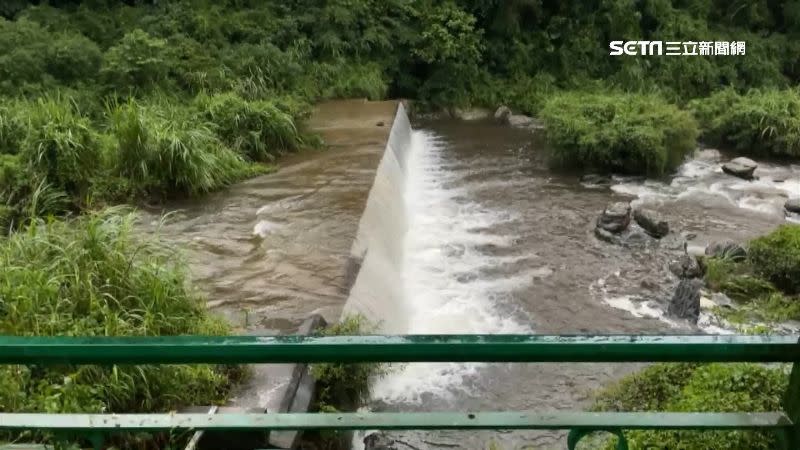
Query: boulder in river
{"x": 615, "y": 218}
{"x": 502, "y": 114}
{"x": 740, "y": 167}
{"x": 594, "y": 180}
{"x": 685, "y": 302}
{"x": 652, "y": 222}
{"x": 379, "y": 441}
{"x": 793, "y": 205}
{"x": 726, "y": 249}
{"x": 686, "y": 267}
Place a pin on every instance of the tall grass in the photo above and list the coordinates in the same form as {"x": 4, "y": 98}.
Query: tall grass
{"x": 163, "y": 151}
{"x": 760, "y": 122}
{"x": 95, "y": 277}
{"x": 60, "y": 144}
{"x": 256, "y": 129}
{"x": 629, "y": 133}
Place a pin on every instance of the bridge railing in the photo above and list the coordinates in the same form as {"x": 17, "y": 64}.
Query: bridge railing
{"x": 416, "y": 348}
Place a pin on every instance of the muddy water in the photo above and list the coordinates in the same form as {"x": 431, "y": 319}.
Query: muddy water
{"x": 270, "y": 251}
{"x": 496, "y": 242}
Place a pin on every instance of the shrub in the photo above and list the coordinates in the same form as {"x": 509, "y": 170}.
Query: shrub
{"x": 138, "y": 61}
{"x": 776, "y": 257}
{"x": 761, "y": 122}
{"x": 345, "y": 386}
{"x": 23, "y": 46}
{"x": 95, "y": 277}
{"x": 626, "y": 133}
{"x": 703, "y": 388}
{"x": 257, "y": 130}
{"x": 162, "y": 151}
{"x": 61, "y": 147}
{"x": 12, "y": 129}
{"x": 73, "y": 57}
{"x": 348, "y": 79}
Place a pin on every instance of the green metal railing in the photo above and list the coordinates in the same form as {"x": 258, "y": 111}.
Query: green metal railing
{"x": 446, "y": 348}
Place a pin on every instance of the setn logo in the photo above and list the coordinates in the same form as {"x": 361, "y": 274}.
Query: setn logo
{"x": 634, "y": 48}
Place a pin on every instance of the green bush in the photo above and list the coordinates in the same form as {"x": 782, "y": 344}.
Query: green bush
{"x": 698, "y": 388}
{"x": 760, "y": 122}
{"x": 95, "y": 277}
{"x": 60, "y": 146}
{"x": 73, "y": 57}
{"x": 165, "y": 151}
{"x": 12, "y": 129}
{"x": 776, "y": 257}
{"x": 257, "y": 130}
{"x": 621, "y": 133}
{"x": 138, "y": 61}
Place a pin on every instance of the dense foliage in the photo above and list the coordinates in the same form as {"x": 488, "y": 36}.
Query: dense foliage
{"x": 95, "y": 277}
{"x": 759, "y": 122}
{"x": 623, "y": 133}
{"x": 257, "y": 65}
{"x": 767, "y": 284}
{"x": 698, "y": 388}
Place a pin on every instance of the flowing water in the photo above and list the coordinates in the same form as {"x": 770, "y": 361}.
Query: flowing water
{"x": 492, "y": 242}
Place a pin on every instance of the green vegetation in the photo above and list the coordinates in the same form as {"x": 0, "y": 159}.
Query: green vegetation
{"x": 759, "y": 122}
{"x": 342, "y": 387}
{"x": 698, "y": 388}
{"x": 94, "y": 277}
{"x": 623, "y": 133}
{"x": 765, "y": 285}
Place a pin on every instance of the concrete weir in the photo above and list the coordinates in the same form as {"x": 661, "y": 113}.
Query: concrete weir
{"x": 375, "y": 264}
{"x": 356, "y": 188}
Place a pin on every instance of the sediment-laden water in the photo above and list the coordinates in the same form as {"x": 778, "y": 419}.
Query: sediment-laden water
{"x": 495, "y": 242}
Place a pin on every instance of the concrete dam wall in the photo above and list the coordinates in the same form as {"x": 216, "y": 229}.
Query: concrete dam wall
{"x": 376, "y": 257}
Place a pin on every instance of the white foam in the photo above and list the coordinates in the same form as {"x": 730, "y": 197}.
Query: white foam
{"x": 442, "y": 244}
{"x": 702, "y": 180}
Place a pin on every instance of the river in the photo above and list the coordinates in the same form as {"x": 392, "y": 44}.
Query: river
{"x": 495, "y": 242}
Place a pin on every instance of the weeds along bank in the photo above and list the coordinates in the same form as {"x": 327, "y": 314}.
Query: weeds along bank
{"x": 201, "y": 94}
{"x": 94, "y": 277}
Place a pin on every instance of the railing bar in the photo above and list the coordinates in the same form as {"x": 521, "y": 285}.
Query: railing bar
{"x": 414, "y": 348}
{"x": 362, "y": 421}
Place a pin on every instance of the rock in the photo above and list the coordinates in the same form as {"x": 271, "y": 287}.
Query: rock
{"x": 471, "y": 114}
{"x": 740, "y": 167}
{"x": 522, "y": 121}
{"x": 793, "y": 205}
{"x": 615, "y": 218}
{"x": 502, "y": 114}
{"x": 686, "y": 267}
{"x": 594, "y": 179}
{"x": 726, "y": 249}
{"x": 685, "y": 303}
{"x": 379, "y": 441}
{"x": 652, "y": 222}
{"x": 722, "y": 300}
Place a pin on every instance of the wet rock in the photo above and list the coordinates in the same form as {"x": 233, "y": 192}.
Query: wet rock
{"x": 522, "y": 121}
{"x": 740, "y": 167}
{"x": 726, "y": 249}
{"x": 594, "y": 179}
{"x": 471, "y": 113}
{"x": 793, "y": 205}
{"x": 686, "y": 267}
{"x": 652, "y": 222}
{"x": 379, "y": 441}
{"x": 615, "y": 218}
{"x": 502, "y": 114}
{"x": 685, "y": 302}
{"x": 722, "y": 300}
